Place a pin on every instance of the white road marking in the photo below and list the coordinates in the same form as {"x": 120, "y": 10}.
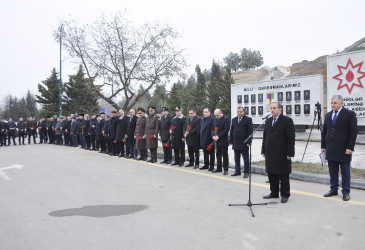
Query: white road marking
{"x": 5, "y": 176}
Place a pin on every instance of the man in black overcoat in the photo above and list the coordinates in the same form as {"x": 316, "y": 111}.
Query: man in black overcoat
{"x": 206, "y": 140}
{"x": 122, "y": 128}
{"x": 277, "y": 149}
{"x": 165, "y": 135}
{"x": 192, "y": 137}
{"x": 22, "y": 126}
{"x": 338, "y": 142}
{"x": 131, "y": 141}
{"x": 241, "y": 129}
{"x": 178, "y": 141}
{"x": 220, "y": 130}
{"x": 113, "y": 133}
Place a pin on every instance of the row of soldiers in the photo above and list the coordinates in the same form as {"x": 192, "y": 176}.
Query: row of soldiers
{"x": 132, "y": 135}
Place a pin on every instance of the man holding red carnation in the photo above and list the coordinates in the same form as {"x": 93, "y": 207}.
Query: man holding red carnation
{"x": 192, "y": 129}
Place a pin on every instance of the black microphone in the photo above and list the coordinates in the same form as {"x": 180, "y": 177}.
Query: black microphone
{"x": 266, "y": 117}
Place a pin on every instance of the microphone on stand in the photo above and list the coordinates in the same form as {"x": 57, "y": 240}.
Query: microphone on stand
{"x": 266, "y": 117}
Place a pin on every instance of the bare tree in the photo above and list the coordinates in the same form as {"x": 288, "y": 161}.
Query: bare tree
{"x": 119, "y": 58}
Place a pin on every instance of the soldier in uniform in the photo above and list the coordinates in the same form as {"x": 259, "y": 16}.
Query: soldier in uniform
{"x": 139, "y": 135}
{"x": 21, "y": 130}
{"x": 151, "y": 133}
{"x": 11, "y": 130}
{"x": 165, "y": 134}
{"x": 3, "y": 130}
{"x": 192, "y": 136}
{"x": 178, "y": 141}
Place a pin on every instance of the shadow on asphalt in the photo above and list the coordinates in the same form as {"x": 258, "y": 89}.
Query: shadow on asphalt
{"x": 99, "y": 211}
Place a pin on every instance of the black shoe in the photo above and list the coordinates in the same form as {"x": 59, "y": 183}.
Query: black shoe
{"x": 196, "y": 166}
{"x": 175, "y": 163}
{"x": 270, "y": 196}
{"x": 284, "y": 200}
{"x": 168, "y": 162}
{"x": 181, "y": 165}
{"x": 150, "y": 160}
{"x": 245, "y": 175}
{"x": 130, "y": 157}
{"x": 189, "y": 165}
{"x": 164, "y": 161}
{"x": 225, "y": 172}
{"x": 217, "y": 171}
{"x": 139, "y": 159}
{"x": 211, "y": 169}
{"x": 145, "y": 159}
{"x": 204, "y": 167}
{"x": 346, "y": 197}
{"x": 120, "y": 155}
{"x": 330, "y": 193}
{"x": 236, "y": 173}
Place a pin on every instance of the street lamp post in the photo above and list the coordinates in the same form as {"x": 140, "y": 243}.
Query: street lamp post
{"x": 60, "y": 85}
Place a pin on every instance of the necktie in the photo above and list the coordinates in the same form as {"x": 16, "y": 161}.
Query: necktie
{"x": 273, "y": 121}
{"x": 239, "y": 120}
{"x": 334, "y": 118}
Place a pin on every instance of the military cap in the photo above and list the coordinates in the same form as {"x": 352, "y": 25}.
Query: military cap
{"x": 114, "y": 111}
{"x": 102, "y": 113}
{"x": 178, "y": 108}
{"x": 97, "y": 115}
{"x": 151, "y": 108}
{"x": 141, "y": 110}
{"x": 165, "y": 108}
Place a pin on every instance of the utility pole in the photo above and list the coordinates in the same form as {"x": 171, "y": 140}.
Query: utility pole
{"x": 60, "y": 86}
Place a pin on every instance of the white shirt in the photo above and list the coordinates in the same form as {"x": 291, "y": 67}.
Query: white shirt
{"x": 333, "y": 112}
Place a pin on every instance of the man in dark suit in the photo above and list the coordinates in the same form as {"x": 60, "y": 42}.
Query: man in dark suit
{"x": 131, "y": 142}
{"x": 192, "y": 132}
{"x": 241, "y": 128}
{"x": 206, "y": 141}
{"x": 277, "y": 148}
{"x": 113, "y": 133}
{"x": 165, "y": 135}
{"x": 338, "y": 142}
{"x": 11, "y": 131}
{"x": 151, "y": 131}
{"x": 221, "y": 126}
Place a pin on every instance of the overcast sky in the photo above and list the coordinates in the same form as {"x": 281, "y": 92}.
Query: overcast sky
{"x": 284, "y": 31}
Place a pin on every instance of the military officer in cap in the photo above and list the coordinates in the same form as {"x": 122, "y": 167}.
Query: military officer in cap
{"x": 21, "y": 130}
{"x": 151, "y": 133}
{"x": 140, "y": 136}
{"x": 178, "y": 141}
{"x": 165, "y": 135}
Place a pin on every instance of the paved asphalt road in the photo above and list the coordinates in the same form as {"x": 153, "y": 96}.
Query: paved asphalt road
{"x": 66, "y": 198}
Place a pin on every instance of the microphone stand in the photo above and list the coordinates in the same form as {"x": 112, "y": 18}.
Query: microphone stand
{"x": 249, "y": 203}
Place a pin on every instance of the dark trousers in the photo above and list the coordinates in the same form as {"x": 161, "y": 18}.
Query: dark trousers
{"x": 143, "y": 153}
{"x": 21, "y": 137}
{"x": 67, "y": 137}
{"x": 87, "y": 139}
{"x": 113, "y": 147}
{"x": 31, "y": 134}
{"x": 74, "y": 140}
{"x": 193, "y": 152}
{"x": 11, "y": 135}
{"x": 59, "y": 139}
{"x": 50, "y": 136}
{"x": 82, "y": 141}
{"x": 108, "y": 145}
{"x": 283, "y": 180}
{"x": 93, "y": 141}
{"x": 333, "y": 167}
{"x": 167, "y": 153}
{"x": 132, "y": 147}
{"x": 237, "y": 160}
{"x": 222, "y": 152}
{"x": 179, "y": 156}
{"x": 2, "y": 140}
{"x": 41, "y": 136}
{"x": 153, "y": 153}
{"x": 120, "y": 148}
{"x": 209, "y": 158}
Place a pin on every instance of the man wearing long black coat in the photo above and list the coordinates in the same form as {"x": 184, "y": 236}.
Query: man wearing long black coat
{"x": 206, "y": 141}
{"x": 122, "y": 128}
{"x": 338, "y": 141}
{"x": 166, "y": 120}
{"x": 31, "y": 129}
{"x": 131, "y": 141}
{"x": 221, "y": 126}
{"x": 3, "y": 131}
{"x": 178, "y": 141}
{"x": 21, "y": 130}
{"x": 192, "y": 137}
{"x": 277, "y": 148}
{"x": 241, "y": 129}
{"x": 113, "y": 122}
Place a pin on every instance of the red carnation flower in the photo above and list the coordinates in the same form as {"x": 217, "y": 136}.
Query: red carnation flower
{"x": 188, "y": 127}
{"x": 139, "y": 138}
{"x": 210, "y": 146}
{"x": 216, "y": 128}
{"x": 152, "y": 136}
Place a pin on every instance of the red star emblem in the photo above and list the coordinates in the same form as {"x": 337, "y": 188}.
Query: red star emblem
{"x": 349, "y": 78}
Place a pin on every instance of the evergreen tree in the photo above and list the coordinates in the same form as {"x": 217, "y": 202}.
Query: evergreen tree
{"x": 174, "y": 98}
{"x": 15, "y": 108}
{"x": 214, "y": 95}
{"x": 31, "y": 104}
{"x": 79, "y": 97}
{"x": 198, "y": 94}
{"x": 225, "y": 91}
{"x": 49, "y": 95}
{"x": 159, "y": 97}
